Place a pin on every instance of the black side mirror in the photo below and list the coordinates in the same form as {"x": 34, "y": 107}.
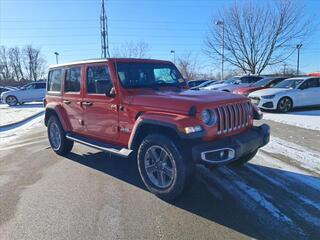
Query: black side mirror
{"x": 111, "y": 92}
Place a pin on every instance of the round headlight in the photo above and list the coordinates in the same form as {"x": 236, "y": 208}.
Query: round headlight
{"x": 208, "y": 117}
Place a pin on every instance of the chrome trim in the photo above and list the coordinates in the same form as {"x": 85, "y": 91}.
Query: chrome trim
{"x": 231, "y": 155}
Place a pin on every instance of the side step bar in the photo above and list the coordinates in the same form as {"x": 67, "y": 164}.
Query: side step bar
{"x": 123, "y": 152}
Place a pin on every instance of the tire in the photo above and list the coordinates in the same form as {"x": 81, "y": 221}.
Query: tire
{"x": 284, "y": 105}
{"x": 11, "y": 100}
{"x": 244, "y": 159}
{"x": 57, "y": 137}
{"x": 162, "y": 167}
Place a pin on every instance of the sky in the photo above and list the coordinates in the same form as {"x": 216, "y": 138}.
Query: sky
{"x": 72, "y": 28}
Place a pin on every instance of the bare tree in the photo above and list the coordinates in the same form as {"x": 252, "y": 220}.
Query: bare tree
{"x": 187, "y": 65}
{"x": 132, "y": 50}
{"x": 15, "y": 58}
{"x": 257, "y": 36}
{"x": 34, "y": 63}
{"x": 5, "y": 69}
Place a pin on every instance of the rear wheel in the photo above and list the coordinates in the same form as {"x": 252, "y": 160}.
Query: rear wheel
{"x": 11, "y": 100}
{"x": 162, "y": 167}
{"x": 57, "y": 137}
{"x": 284, "y": 105}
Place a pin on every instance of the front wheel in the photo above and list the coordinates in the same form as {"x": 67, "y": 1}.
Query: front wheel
{"x": 58, "y": 141}
{"x": 11, "y": 100}
{"x": 162, "y": 167}
{"x": 284, "y": 105}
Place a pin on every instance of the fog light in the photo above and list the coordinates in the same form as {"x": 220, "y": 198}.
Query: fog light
{"x": 193, "y": 129}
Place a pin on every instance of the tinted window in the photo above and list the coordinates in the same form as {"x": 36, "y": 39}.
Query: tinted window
{"x": 98, "y": 79}
{"x": 72, "y": 82}
{"x": 40, "y": 85}
{"x": 250, "y": 79}
{"x": 310, "y": 83}
{"x": 54, "y": 80}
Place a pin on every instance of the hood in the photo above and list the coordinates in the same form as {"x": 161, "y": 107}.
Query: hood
{"x": 216, "y": 86}
{"x": 10, "y": 92}
{"x": 269, "y": 91}
{"x": 181, "y": 101}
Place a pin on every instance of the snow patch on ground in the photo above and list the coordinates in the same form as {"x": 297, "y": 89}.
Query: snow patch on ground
{"x": 9, "y": 115}
{"x": 305, "y": 119}
{"x": 305, "y": 157}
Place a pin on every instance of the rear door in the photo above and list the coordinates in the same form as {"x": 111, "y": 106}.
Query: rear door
{"x": 100, "y": 109}
{"x": 72, "y": 98}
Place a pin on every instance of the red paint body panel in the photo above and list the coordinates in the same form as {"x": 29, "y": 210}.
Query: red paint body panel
{"x": 112, "y": 119}
{"x": 247, "y": 90}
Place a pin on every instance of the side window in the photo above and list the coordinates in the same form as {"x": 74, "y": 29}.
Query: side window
{"x": 54, "y": 81}
{"x": 98, "y": 80}
{"x": 310, "y": 83}
{"x": 40, "y": 85}
{"x": 72, "y": 81}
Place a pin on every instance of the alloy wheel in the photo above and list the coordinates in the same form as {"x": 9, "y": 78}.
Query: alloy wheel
{"x": 159, "y": 166}
{"x": 55, "y": 135}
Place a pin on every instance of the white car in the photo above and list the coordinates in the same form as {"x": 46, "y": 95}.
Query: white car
{"x": 31, "y": 92}
{"x": 288, "y": 94}
{"x": 233, "y": 83}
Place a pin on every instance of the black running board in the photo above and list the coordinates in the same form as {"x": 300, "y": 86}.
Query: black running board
{"x": 123, "y": 152}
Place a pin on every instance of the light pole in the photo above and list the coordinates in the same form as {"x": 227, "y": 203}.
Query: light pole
{"x": 298, "y": 60}
{"x": 57, "y": 54}
{"x": 174, "y": 56}
{"x": 221, "y": 24}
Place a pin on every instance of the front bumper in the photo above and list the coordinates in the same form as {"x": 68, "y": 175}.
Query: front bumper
{"x": 263, "y": 103}
{"x": 231, "y": 148}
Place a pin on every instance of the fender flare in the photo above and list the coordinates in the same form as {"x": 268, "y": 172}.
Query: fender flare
{"x": 59, "y": 112}
{"x": 141, "y": 122}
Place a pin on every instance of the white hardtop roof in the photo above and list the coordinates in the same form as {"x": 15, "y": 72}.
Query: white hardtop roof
{"x": 98, "y": 60}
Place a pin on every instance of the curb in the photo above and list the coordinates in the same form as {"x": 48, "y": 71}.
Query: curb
{"x": 21, "y": 122}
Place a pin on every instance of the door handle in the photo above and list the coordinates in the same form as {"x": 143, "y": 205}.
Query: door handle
{"x": 87, "y": 104}
{"x": 66, "y": 102}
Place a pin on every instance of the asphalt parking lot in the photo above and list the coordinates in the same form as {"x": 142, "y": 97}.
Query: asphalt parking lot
{"x": 92, "y": 195}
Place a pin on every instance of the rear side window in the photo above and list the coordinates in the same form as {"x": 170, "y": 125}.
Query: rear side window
{"x": 72, "y": 82}
{"x": 54, "y": 81}
{"x": 98, "y": 79}
{"x": 40, "y": 85}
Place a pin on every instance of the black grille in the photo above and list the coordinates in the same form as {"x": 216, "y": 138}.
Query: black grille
{"x": 233, "y": 117}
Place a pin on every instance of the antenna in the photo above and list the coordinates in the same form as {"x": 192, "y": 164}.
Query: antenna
{"x": 104, "y": 32}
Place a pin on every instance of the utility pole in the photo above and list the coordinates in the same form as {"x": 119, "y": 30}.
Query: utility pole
{"x": 221, "y": 24}
{"x": 104, "y": 32}
{"x": 174, "y": 56}
{"x": 298, "y": 60}
{"x": 57, "y": 58}
{"x": 284, "y": 68}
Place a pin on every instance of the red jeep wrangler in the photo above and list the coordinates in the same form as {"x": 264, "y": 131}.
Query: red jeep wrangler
{"x": 142, "y": 107}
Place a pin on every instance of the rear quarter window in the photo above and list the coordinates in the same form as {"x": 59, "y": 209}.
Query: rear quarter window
{"x": 54, "y": 80}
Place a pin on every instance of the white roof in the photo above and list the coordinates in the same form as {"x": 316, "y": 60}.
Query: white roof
{"x": 79, "y": 62}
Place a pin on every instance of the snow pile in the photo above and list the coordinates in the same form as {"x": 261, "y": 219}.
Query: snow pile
{"x": 305, "y": 119}
{"x": 302, "y": 156}
{"x": 14, "y": 114}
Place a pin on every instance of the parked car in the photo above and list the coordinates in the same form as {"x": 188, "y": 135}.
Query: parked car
{"x": 314, "y": 74}
{"x": 204, "y": 84}
{"x": 266, "y": 82}
{"x": 30, "y": 92}
{"x": 288, "y": 94}
{"x": 142, "y": 108}
{"x": 194, "y": 83}
{"x": 235, "y": 82}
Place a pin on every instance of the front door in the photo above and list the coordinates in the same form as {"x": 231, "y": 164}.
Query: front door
{"x": 309, "y": 92}
{"x": 100, "y": 108}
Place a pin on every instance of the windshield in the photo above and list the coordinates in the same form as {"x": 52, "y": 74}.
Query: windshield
{"x": 289, "y": 83}
{"x": 139, "y": 75}
{"x": 232, "y": 80}
{"x": 206, "y": 83}
{"x": 262, "y": 83}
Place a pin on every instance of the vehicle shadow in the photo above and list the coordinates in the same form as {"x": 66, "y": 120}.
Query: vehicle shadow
{"x": 308, "y": 111}
{"x": 259, "y": 211}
